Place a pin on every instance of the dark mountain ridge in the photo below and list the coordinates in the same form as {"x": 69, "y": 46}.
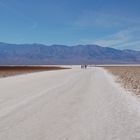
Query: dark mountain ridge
{"x": 39, "y": 54}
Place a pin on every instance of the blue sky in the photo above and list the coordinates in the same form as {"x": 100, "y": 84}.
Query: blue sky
{"x": 111, "y": 23}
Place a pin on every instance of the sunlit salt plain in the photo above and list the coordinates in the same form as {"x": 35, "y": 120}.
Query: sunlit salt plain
{"x": 71, "y": 104}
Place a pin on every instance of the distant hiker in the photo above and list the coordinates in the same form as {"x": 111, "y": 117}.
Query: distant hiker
{"x": 82, "y": 66}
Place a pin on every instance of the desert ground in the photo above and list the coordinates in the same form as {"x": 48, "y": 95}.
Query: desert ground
{"x": 6, "y": 71}
{"x": 69, "y": 104}
{"x": 128, "y": 76}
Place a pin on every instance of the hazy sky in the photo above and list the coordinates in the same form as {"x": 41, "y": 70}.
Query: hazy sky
{"x": 112, "y": 23}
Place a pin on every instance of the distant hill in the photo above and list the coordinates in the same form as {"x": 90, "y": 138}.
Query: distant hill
{"x": 37, "y": 54}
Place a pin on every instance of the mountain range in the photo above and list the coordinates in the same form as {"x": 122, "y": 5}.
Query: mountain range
{"x": 39, "y": 54}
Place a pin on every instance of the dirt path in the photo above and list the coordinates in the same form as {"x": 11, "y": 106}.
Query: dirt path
{"x": 69, "y": 104}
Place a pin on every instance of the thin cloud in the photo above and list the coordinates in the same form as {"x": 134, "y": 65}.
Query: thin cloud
{"x": 123, "y": 39}
{"x": 132, "y": 45}
{"x": 117, "y": 38}
{"x": 104, "y": 20}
